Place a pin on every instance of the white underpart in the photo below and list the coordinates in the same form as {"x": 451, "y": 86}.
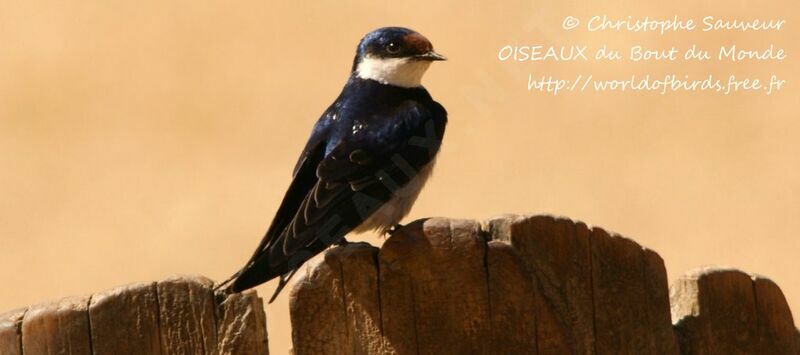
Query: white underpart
{"x": 403, "y": 72}
{"x": 393, "y": 211}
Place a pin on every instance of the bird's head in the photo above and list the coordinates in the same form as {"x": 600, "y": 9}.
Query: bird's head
{"x": 395, "y": 56}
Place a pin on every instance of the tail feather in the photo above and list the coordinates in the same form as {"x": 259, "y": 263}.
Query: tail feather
{"x": 225, "y": 283}
{"x": 261, "y": 269}
{"x": 282, "y": 282}
{"x": 253, "y": 275}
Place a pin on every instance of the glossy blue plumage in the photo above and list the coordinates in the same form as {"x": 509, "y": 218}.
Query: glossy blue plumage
{"x": 371, "y": 141}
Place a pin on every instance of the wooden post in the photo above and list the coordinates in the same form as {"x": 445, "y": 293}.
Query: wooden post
{"x": 515, "y": 285}
{"x": 512, "y": 285}
{"x": 610, "y": 292}
{"x": 526, "y": 285}
{"x": 174, "y": 316}
{"x": 726, "y": 311}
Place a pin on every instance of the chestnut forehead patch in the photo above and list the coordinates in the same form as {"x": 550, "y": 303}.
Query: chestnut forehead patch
{"x": 418, "y": 42}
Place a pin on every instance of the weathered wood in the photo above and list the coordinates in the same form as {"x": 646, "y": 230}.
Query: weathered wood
{"x": 434, "y": 293}
{"x": 511, "y": 295}
{"x": 186, "y": 315}
{"x": 543, "y": 285}
{"x": 57, "y": 328}
{"x": 557, "y": 253}
{"x": 630, "y": 298}
{"x": 726, "y": 311}
{"x": 439, "y": 287}
{"x": 337, "y": 307}
{"x": 775, "y": 323}
{"x": 125, "y": 320}
{"x": 11, "y": 332}
{"x": 242, "y": 328}
{"x": 317, "y": 308}
{"x": 174, "y": 316}
{"x": 362, "y": 298}
{"x": 656, "y": 286}
{"x": 516, "y": 285}
{"x": 522, "y": 321}
{"x": 609, "y": 291}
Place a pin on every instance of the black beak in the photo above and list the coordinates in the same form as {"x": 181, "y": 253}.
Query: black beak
{"x": 430, "y": 56}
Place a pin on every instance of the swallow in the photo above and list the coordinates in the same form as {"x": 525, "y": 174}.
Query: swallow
{"x": 368, "y": 157}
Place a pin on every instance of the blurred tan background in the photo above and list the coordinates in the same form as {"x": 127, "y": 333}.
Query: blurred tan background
{"x": 144, "y": 139}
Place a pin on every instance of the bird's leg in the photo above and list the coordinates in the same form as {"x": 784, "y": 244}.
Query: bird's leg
{"x": 394, "y": 229}
{"x": 341, "y": 242}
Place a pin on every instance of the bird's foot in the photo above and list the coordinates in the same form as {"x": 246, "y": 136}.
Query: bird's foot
{"x": 394, "y": 229}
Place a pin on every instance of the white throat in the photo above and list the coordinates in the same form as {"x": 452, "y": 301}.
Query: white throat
{"x": 403, "y": 72}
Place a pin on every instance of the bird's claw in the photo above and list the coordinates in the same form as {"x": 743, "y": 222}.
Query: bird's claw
{"x": 394, "y": 229}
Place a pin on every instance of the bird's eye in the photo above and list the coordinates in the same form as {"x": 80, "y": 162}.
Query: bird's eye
{"x": 392, "y": 47}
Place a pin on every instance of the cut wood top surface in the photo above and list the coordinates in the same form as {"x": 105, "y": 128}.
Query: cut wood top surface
{"x": 525, "y": 284}
{"x": 510, "y": 285}
{"x": 178, "y": 315}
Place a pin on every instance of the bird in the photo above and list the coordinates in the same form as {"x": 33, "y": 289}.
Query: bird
{"x": 367, "y": 159}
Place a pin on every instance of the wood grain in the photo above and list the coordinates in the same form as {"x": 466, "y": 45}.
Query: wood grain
{"x": 178, "y": 315}
{"x": 727, "y": 311}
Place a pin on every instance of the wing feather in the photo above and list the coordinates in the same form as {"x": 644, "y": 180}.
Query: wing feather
{"x": 337, "y": 185}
